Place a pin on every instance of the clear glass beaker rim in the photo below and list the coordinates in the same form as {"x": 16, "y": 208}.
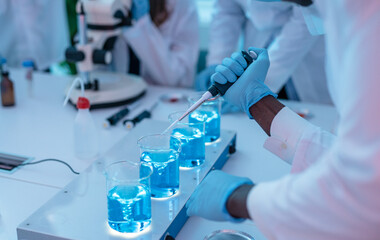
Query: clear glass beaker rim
{"x": 132, "y": 180}
{"x": 147, "y": 146}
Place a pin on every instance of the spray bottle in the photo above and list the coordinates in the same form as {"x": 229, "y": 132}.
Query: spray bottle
{"x": 86, "y": 145}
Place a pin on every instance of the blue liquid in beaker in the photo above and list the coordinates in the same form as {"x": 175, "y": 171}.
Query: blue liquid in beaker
{"x": 129, "y": 208}
{"x": 212, "y": 121}
{"x": 165, "y": 177}
{"x": 192, "y": 146}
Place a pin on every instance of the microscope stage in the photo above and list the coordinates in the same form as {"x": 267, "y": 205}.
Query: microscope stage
{"x": 115, "y": 89}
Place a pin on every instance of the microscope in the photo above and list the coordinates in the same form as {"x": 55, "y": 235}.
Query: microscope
{"x": 100, "y": 24}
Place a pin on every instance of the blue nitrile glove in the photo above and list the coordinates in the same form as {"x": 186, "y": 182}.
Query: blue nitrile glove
{"x": 140, "y": 8}
{"x": 250, "y": 87}
{"x": 210, "y": 197}
{"x": 203, "y": 79}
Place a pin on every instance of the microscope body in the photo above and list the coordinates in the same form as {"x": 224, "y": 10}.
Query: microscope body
{"x": 100, "y": 24}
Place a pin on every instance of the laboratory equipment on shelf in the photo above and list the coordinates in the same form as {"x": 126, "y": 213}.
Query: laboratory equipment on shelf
{"x": 192, "y": 136}
{"x": 128, "y": 196}
{"x": 162, "y": 150}
{"x": 214, "y": 91}
{"x": 100, "y": 25}
{"x": 7, "y": 88}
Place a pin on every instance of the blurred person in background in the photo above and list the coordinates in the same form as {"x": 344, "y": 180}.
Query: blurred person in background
{"x": 33, "y": 30}
{"x": 297, "y": 70}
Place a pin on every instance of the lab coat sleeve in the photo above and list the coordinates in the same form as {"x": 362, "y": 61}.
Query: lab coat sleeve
{"x": 225, "y": 29}
{"x": 169, "y": 60}
{"x": 300, "y": 143}
{"x": 288, "y": 49}
{"x": 337, "y": 197}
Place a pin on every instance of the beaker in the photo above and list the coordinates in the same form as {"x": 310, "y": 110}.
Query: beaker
{"x": 128, "y": 196}
{"x": 162, "y": 150}
{"x": 192, "y": 136}
{"x": 210, "y": 111}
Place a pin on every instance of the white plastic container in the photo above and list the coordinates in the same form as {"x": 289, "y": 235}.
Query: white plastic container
{"x": 86, "y": 142}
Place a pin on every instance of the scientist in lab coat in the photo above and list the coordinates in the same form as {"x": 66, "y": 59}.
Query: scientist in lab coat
{"x": 164, "y": 39}
{"x": 333, "y": 190}
{"x": 33, "y": 30}
{"x": 294, "y": 53}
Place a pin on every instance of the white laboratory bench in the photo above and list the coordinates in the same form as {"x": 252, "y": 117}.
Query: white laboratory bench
{"x": 38, "y": 126}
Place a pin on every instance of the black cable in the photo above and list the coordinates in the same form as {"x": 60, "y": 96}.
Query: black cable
{"x": 50, "y": 159}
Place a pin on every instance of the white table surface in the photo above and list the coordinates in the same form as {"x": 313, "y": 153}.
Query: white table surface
{"x": 40, "y": 127}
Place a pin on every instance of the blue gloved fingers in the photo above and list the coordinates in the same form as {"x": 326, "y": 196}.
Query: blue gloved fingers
{"x": 259, "y": 68}
{"x": 226, "y": 72}
{"x": 240, "y": 59}
{"x": 250, "y": 87}
{"x": 219, "y": 78}
{"x": 210, "y": 197}
{"x": 234, "y": 66}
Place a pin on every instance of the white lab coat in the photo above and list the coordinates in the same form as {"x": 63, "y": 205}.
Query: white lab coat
{"x": 333, "y": 192}
{"x": 168, "y": 54}
{"x": 33, "y": 29}
{"x": 280, "y": 27}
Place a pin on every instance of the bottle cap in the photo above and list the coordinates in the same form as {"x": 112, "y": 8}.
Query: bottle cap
{"x": 28, "y": 63}
{"x": 83, "y": 103}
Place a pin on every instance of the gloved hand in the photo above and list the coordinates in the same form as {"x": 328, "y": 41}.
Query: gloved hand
{"x": 250, "y": 87}
{"x": 210, "y": 197}
{"x": 203, "y": 80}
{"x": 140, "y": 8}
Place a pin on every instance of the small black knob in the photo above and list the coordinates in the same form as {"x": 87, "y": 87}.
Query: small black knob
{"x": 101, "y": 57}
{"x": 73, "y": 55}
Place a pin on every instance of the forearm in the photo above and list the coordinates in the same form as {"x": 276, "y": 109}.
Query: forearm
{"x": 168, "y": 57}
{"x": 237, "y": 201}
{"x": 264, "y": 112}
{"x": 291, "y": 138}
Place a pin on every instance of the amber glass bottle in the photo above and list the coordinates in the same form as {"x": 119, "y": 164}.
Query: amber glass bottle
{"x": 7, "y": 91}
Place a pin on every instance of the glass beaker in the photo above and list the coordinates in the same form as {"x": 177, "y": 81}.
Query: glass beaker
{"x": 128, "y": 196}
{"x": 162, "y": 150}
{"x": 192, "y": 136}
{"x": 210, "y": 111}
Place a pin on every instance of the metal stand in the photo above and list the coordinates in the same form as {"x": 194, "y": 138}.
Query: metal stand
{"x": 79, "y": 211}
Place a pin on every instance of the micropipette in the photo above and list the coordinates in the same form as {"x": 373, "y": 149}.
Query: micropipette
{"x": 214, "y": 91}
